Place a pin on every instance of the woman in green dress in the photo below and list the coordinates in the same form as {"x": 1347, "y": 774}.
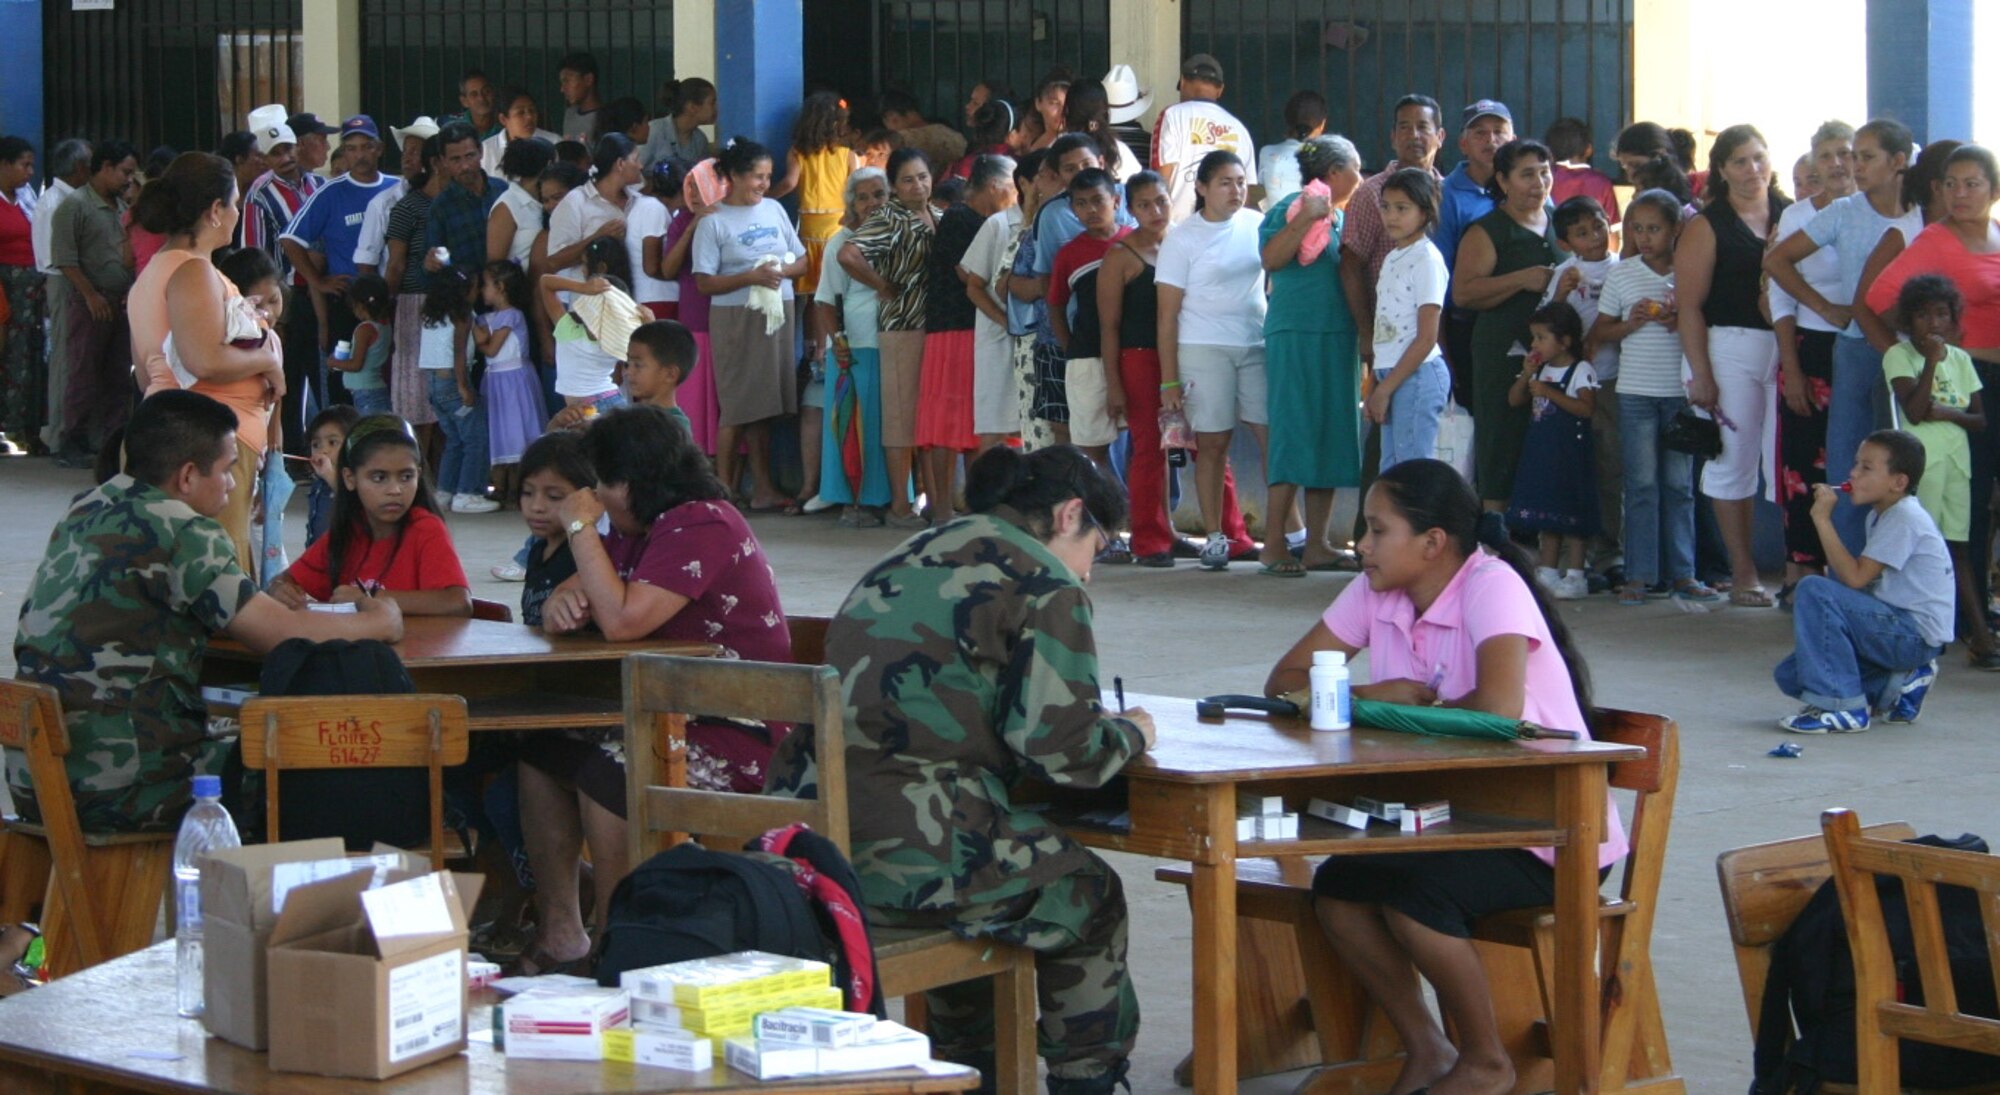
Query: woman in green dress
{"x": 1310, "y": 359}
{"x": 1505, "y": 262}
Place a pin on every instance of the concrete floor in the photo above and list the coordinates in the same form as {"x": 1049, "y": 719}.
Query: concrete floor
{"x": 1191, "y": 633}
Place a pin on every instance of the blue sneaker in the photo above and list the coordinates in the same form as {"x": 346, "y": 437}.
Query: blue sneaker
{"x": 1910, "y": 703}
{"x": 1814, "y": 720}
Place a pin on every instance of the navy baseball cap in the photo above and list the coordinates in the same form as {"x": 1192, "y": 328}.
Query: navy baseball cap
{"x": 305, "y": 125}
{"x": 361, "y": 124}
{"x": 1487, "y": 108}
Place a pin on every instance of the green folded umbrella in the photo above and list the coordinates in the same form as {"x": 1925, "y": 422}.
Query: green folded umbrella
{"x": 1448, "y": 722}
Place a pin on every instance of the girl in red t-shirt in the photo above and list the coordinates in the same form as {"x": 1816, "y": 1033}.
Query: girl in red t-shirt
{"x": 385, "y": 537}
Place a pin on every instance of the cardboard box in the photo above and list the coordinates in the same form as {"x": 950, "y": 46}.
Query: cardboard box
{"x": 564, "y": 1025}
{"x": 822, "y": 1027}
{"x": 659, "y": 1047}
{"x": 238, "y": 911}
{"x": 370, "y": 982}
{"x": 1279, "y": 827}
{"x": 1254, "y": 804}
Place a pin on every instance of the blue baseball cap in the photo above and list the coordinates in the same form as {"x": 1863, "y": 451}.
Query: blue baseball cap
{"x": 1486, "y": 108}
{"x": 362, "y": 124}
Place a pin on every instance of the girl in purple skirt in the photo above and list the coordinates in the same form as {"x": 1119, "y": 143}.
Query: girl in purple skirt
{"x": 510, "y": 393}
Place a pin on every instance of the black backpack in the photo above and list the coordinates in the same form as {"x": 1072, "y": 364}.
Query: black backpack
{"x": 693, "y": 902}
{"x": 387, "y": 805}
{"x": 1812, "y": 981}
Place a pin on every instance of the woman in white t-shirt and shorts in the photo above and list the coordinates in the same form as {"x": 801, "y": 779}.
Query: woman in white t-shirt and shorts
{"x": 1211, "y": 285}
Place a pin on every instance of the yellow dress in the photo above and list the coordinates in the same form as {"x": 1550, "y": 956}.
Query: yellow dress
{"x": 822, "y": 179}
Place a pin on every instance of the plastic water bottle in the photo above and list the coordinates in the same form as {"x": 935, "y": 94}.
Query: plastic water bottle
{"x": 206, "y": 828}
{"x": 1329, "y": 677}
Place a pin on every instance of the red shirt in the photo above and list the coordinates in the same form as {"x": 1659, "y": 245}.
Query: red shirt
{"x": 1938, "y": 250}
{"x": 1076, "y": 263}
{"x": 1590, "y": 183}
{"x": 17, "y": 247}
{"x": 418, "y": 558}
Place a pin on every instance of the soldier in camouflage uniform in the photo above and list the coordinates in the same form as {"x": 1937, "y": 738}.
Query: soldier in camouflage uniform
{"x": 137, "y": 576}
{"x": 968, "y": 663}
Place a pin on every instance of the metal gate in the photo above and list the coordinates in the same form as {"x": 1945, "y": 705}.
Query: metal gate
{"x": 938, "y": 49}
{"x": 175, "y": 72}
{"x": 1545, "y": 59}
{"x": 414, "y": 51}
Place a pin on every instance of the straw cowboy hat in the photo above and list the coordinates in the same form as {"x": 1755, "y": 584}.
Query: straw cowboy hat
{"x": 423, "y": 128}
{"x": 1121, "y": 86}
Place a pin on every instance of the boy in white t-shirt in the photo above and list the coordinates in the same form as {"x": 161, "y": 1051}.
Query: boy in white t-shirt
{"x": 1195, "y": 127}
{"x": 1585, "y": 230}
{"x": 1411, "y": 379}
{"x": 1867, "y": 638}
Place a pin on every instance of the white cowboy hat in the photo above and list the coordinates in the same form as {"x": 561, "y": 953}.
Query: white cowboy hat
{"x": 424, "y": 128}
{"x": 1121, "y": 86}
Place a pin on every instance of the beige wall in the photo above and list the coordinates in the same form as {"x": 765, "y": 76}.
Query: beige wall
{"x": 330, "y": 32}
{"x": 1146, "y": 34}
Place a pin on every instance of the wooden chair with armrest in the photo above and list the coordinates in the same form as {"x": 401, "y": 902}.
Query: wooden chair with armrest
{"x": 1518, "y": 948}
{"x": 357, "y": 732}
{"x": 102, "y": 890}
{"x": 1882, "y": 1013}
{"x": 663, "y": 692}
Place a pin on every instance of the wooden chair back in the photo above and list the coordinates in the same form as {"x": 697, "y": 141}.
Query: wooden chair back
{"x": 349, "y": 732}
{"x": 662, "y": 692}
{"x": 497, "y": 611}
{"x": 1881, "y": 1015}
{"x": 808, "y": 638}
{"x": 31, "y": 723}
{"x": 1654, "y": 781}
{"x": 1764, "y": 887}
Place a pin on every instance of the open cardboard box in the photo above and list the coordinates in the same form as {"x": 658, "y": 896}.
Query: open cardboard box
{"x": 370, "y": 983}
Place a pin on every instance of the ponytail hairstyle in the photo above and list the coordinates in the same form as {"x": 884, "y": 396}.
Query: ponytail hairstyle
{"x": 663, "y": 179}
{"x": 1418, "y": 185}
{"x": 364, "y": 439}
{"x": 1654, "y": 139}
{"x": 369, "y": 297}
{"x": 991, "y": 124}
{"x": 1664, "y": 202}
{"x": 1209, "y": 165}
{"x": 607, "y": 257}
{"x": 1034, "y": 484}
{"x": 740, "y": 156}
{"x": 620, "y": 116}
{"x": 1892, "y": 137}
{"x": 1662, "y": 173}
{"x": 1563, "y": 322}
{"x": 174, "y": 202}
{"x": 1087, "y": 110}
{"x": 448, "y": 301}
{"x": 676, "y": 96}
{"x": 1920, "y": 182}
{"x": 821, "y": 121}
{"x": 1430, "y": 494}
{"x": 513, "y": 283}
{"x": 607, "y": 152}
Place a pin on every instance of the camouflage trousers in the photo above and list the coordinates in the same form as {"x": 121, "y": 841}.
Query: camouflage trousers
{"x": 154, "y": 802}
{"x": 1076, "y": 926}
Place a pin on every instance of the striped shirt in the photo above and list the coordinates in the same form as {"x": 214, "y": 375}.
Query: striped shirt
{"x": 268, "y": 208}
{"x": 897, "y": 243}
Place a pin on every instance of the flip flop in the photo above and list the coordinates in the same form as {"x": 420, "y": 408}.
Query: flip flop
{"x": 1347, "y": 563}
{"x": 1290, "y": 568}
{"x": 1754, "y": 597}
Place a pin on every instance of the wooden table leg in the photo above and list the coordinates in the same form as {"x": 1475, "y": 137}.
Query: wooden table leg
{"x": 1214, "y": 898}
{"x": 1580, "y": 798}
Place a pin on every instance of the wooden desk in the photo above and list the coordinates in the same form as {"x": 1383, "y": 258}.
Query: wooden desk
{"x": 111, "y": 1024}
{"x": 513, "y": 677}
{"x": 1182, "y": 802}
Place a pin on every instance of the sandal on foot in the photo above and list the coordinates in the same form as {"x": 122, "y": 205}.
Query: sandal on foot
{"x": 1289, "y": 568}
{"x": 1753, "y": 597}
{"x": 1632, "y": 595}
{"x": 538, "y": 962}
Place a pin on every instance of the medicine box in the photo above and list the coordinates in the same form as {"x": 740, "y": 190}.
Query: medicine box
{"x": 1349, "y": 816}
{"x": 1386, "y": 811}
{"x": 1424, "y": 815}
{"x": 564, "y": 1024}
{"x": 659, "y": 1047}
{"x": 822, "y": 1027}
{"x": 1253, "y": 804}
{"x": 724, "y": 979}
{"x": 1281, "y": 827}
{"x": 886, "y": 1045}
{"x": 730, "y": 1018}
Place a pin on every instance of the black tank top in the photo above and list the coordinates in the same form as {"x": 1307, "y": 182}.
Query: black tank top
{"x": 1739, "y": 269}
{"x": 1139, "y": 322}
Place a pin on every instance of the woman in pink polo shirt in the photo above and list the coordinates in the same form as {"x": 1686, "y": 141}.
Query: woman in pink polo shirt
{"x": 1448, "y": 613}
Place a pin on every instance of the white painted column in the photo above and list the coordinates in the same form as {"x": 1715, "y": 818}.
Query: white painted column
{"x": 1145, "y": 34}
{"x": 331, "y": 31}
{"x": 694, "y": 41}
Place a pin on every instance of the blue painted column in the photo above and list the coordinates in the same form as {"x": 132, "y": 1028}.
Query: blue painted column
{"x": 759, "y": 76}
{"x": 21, "y": 76}
{"x": 1920, "y": 65}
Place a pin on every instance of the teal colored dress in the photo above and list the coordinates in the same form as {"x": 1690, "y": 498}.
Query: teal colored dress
{"x": 1311, "y": 369}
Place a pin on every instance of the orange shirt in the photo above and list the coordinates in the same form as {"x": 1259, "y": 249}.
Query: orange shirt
{"x": 146, "y": 306}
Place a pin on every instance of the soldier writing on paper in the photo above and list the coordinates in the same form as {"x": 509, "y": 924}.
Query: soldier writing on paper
{"x": 137, "y": 577}
{"x": 969, "y": 663}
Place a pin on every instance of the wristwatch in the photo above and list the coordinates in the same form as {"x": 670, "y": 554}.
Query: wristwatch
{"x": 576, "y": 527}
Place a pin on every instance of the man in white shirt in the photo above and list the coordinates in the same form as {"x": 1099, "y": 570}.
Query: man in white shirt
{"x": 69, "y": 167}
{"x": 1195, "y": 127}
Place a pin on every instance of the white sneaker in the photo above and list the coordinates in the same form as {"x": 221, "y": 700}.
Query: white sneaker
{"x": 817, "y": 505}
{"x": 1550, "y": 579}
{"x": 1574, "y": 585}
{"x": 510, "y": 572}
{"x": 473, "y": 503}
{"x": 1215, "y": 552}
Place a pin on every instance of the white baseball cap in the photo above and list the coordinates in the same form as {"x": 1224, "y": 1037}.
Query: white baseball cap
{"x": 424, "y": 128}
{"x": 1121, "y": 87}
{"x": 272, "y": 135}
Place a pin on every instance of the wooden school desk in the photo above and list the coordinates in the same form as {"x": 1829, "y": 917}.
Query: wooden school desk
{"x": 512, "y": 676}
{"x": 113, "y": 1027}
{"x": 1181, "y": 796}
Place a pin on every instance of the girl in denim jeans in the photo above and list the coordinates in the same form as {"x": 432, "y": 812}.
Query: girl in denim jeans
{"x": 447, "y": 331}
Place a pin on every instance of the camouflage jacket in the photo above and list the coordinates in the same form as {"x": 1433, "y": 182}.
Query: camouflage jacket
{"x": 117, "y": 620}
{"x": 967, "y": 662}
